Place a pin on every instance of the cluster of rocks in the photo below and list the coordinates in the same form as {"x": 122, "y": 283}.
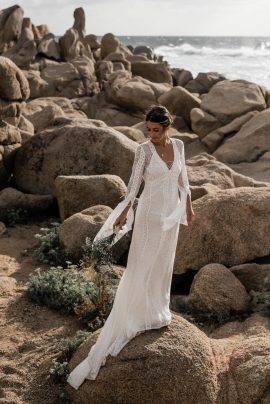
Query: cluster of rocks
{"x": 229, "y": 366}
{"x": 72, "y": 112}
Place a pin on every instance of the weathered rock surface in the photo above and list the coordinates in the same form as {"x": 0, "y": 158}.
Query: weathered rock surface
{"x": 228, "y": 99}
{"x": 155, "y": 355}
{"x": 253, "y": 276}
{"x": 136, "y": 93}
{"x": 156, "y": 72}
{"x": 13, "y": 84}
{"x": 74, "y": 148}
{"x": 204, "y": 82}
{"x": 207, "y": 175}
{"x": 229, "y": 229}
{"x": 11, "y": 198}
{"x": 78, "y": 192}
{"x": 74, "y": 230}
{"x": 216, "y": 290}
{"x": 215, "y": 138}
{"x": 249, "y": 143}
{"x": 212, "y": 369}
{"x": 11, "y": 20}
{"x": 179, "y": 102}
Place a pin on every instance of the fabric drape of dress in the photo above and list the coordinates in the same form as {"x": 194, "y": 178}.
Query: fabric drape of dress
{"x": 143, "y": 295}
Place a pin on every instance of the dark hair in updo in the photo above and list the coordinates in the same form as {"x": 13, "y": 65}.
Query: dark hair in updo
{"x": 159, "y": 114}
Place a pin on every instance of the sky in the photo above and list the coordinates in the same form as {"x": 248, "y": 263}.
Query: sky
{"x": 153, "y": 17}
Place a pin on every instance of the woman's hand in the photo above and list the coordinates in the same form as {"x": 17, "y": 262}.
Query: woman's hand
{"x": 190, "y": 215}
{"x": 190, "y": 211}
{"x": 120, "y": 220}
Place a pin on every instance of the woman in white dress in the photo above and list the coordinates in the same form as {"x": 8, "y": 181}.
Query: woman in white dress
{"x": 143, "y": 294}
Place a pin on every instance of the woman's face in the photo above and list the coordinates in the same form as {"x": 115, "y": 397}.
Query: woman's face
{"x": 155, "y": 131}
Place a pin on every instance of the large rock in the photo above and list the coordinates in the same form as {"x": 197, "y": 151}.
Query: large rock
{"x": 156, "y": 72}
{"x": 144, "y": 50}
{"x": 11, "y": 198}
{"x": 253, "y": 276}
{"x": 98, "y": 107}
{"x": 25, "y": 50}
{"x": 43, "y": 111}
{"x": 78, "y": 192}
{"x": 181, "y": 76}
{"x": 13, "y": 84}
{"x": 204, "y": 82}
{"x": 49, "y": 47}
{"x": 44, "y": 117}
{"x": 118, "y": 59}
{"x": 109, "y": 44}
{"x": 20, "y": 122}
{"x": 74, "y": 230}
{"x": 203, "y": 123}
{"x": 71, "y": 79}
{"x": 229, "y": 99}
{"x": 132, "y": 133}
{"x": 38, "y": 86}
{"x": 229, "y": 228}
{"x": 259, "y": 170}
{"x": 215, "y": 138}
{"x": 207, "y": 175}
{"x": 158, "y": 365}
{"x": 180, "y": 364}
{"x": 179, "y": 102}
{"x": 9, "y": 109}
{"x": 11, "y": 20}
{"x": 73, "y": 148}
{"x": 249, "y": 143}
{"x": 136, "y": 93}
{"x": 216, "y": 290}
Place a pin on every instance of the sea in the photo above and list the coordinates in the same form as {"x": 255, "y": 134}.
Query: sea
{"x": 245, "y": 58}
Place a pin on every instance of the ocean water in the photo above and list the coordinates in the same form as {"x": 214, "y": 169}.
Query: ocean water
{"x": 245, "y": 58}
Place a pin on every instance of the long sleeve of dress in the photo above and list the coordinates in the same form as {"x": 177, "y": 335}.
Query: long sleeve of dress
{"x": 131, "y": 193}
{"x": 183, "y": 186}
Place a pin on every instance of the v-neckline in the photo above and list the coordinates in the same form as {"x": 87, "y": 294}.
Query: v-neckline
{"x": 155, "y": 150}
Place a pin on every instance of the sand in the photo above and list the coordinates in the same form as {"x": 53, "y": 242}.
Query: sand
{"x": 28, "y": 333}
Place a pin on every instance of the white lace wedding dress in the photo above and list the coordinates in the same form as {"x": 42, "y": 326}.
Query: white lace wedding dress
{"x": 143, "y": 294}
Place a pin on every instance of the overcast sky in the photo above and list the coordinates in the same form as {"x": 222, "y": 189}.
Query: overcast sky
{"x": 153, "y": 17}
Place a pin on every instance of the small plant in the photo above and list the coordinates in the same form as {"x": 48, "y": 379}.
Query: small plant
{"x": 15, "y": 216}
{"x": 260, "y": 301}
{"x": 98, "y": 254}
{"x": 49, "y": 250}
{"x": 66, "y": 346}
{"x": 60, "y": 289}
{"x": 205, "y": 318}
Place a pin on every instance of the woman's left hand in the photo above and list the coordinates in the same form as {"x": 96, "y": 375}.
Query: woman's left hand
{"x": 190, "y": 215}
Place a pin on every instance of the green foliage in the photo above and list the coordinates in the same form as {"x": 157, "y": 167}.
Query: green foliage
{"x": 59, "y": 369}
{"x": 49, "y": 250}
{"x": 260, "y": 301}
{"x": 15, "y": 216}
{"x": 99, "y": 252}
{"x": 60, "y": 289}
{"x": 205, "y": 318}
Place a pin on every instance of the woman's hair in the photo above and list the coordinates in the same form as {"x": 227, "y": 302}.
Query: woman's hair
{"x": 159, "y": 114}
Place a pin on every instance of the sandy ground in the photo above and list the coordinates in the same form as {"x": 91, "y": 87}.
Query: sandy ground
{"x": 28, "y": 333}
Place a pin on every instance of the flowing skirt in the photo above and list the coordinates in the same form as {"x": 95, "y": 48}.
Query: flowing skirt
{"x": 143, "y": 295}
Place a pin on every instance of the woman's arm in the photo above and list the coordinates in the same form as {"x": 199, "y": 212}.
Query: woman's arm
{"x": 134, "y": 183}
{"x": 183, "y": 185}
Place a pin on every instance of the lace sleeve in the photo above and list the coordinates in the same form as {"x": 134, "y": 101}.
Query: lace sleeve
{"x": 183, "y": 183}
{"x": 132, "y": 189}
{"x": 136, "y": 175}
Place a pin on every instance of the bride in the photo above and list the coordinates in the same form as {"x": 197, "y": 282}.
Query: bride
{"x": 143, "y": 294}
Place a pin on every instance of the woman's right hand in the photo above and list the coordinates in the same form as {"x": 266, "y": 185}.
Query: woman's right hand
{"x": 120, "y": 220}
